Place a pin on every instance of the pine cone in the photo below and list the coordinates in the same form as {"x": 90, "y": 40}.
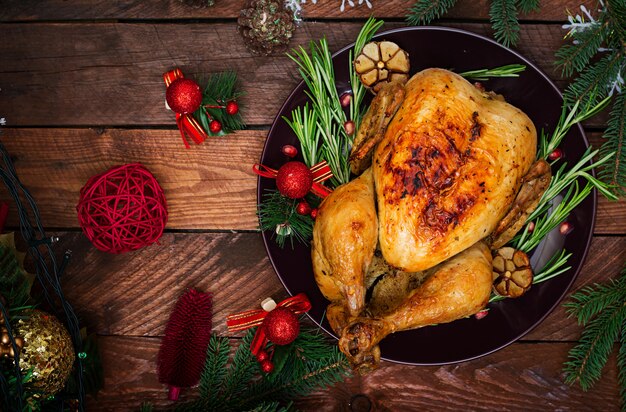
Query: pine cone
{"x": 198, "y": 3}
{"x": 266, "y": 26}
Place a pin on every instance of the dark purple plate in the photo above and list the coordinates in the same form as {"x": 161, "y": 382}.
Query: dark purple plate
{"x": 507, "y": 320}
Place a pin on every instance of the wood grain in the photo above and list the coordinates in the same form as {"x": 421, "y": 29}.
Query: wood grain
{"x": 109, "y": 74}
{"x": 520, "y": 377}
{"x": 27, "y": 10}
{"x": 133, "y": 294}
{"x": 210, "y": 186}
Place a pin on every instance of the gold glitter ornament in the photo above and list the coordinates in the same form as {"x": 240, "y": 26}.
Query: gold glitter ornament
{"x": 47, "y": 351}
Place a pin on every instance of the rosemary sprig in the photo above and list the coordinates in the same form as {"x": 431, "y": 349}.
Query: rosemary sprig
{"x": 569, "y": 117}
{"x": 370, "y": 28}
{"x": 304, "y": 124}
{"x": 323, "y": 121}
{"x": 510, "y": 70}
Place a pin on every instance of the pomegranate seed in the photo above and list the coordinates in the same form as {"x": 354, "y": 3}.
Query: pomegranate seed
{"x": 314, "y": 213}
{"x": 481, "y": 314}
{"x": 345, "y": 99}
{"x": 531, "y": 227}
{"x": 349, "y": 126}
{"x": 289, "y": 150}
{"x": 566, "y": 228}
{"x": 555, "y": 155}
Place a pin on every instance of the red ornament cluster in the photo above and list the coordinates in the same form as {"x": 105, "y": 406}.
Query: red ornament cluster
{"x": 122, "y": 209}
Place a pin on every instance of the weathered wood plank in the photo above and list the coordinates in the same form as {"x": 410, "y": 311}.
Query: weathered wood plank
{"x": 27, "y": 10}
{"x": 110, "y": 73}
{"x": 520, "y": 377}
{"x": 210, "y": 186}
{"x": 133, "y": 294}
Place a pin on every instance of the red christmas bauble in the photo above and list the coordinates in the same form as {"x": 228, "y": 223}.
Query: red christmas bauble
{"x": 183, "y": 96}
{"x": 281, "y": 326}
{"x": 303, "y": 208}
{"x": 232, "y": 108}
{"x": 267, "y": 366}
{"x": 294, "y": 180}
{"x": 215, "y": 126}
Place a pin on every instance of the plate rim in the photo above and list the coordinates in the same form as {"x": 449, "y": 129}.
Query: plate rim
{"x": 301, "y": 84}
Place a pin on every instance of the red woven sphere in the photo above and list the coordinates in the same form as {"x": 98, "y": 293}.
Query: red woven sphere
{"x": 122, "y": 209}
{"x": 294, "y": 180}
{"x": 281, "y": 326}
{"x": 183, "y": 95}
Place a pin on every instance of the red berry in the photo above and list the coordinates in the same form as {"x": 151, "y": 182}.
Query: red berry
{"x": 565, "y": 228}
{"x": 232, "y": 108}
{"x": 281, "y": 326}
{"x": 183, "y": 96}
{"x": 314, "y": 213}
{"x": 345, "y": 99}
{"x": 294, "y": 180}
{"x": 263, "y": 355}
{"x": 349, "y": 127}
{"x": 267, "y": 366}
{"x": 555, "y": 155}
{"x": 215, "y": 126}
{"x": 289, "y": 150}
{"x": 481, "y": 314}
{"x": 303, "y": 208}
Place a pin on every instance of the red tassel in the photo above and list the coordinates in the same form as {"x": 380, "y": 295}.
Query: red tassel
{"x": 183, "y": 348}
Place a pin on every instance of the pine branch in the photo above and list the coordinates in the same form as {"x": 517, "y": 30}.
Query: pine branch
{"x": 614, "y": 172}
{"x": 591, "y": 300}
{"x": 425, "y": 11}
{"x": 621, "y": 366}
{"x": 220, "y": 89}
{"x": 503, "y": 17}
{"x": 587, "y": 359}
{"x": 595, "y": 81}
{"x": 277, "y": 214}
{"x": 574, "y": 58}
{"x": 214, "y": 373}
{"x": 602, "y": 311}
{"x": 242, "y": 370}
{"x": 527, "y": 6}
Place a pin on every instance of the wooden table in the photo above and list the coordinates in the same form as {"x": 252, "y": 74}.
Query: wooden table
{"x": 81, "y": 90}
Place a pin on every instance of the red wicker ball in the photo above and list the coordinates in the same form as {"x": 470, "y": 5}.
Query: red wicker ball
{"x": 122, "y": 209}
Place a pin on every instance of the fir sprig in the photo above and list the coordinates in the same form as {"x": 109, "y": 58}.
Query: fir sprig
{"x": 311, "y": 363}
{"x": 220, "y": 89}
{"x": 425, "y": 11}
{"x": 599, "y": 78}
{"x": 503, "y": 15}
{"x": 277, "y": 213}
{"x": 601, "y": 310}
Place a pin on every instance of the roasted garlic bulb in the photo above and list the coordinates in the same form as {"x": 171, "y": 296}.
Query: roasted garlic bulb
{"x": 512, "y": 274}
{"x": 380, "y": 63}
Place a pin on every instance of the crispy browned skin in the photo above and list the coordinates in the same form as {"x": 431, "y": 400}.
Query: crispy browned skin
{"x": 457, "y": 288}
{"x": 344, "y": 240}
{"x": 447, "y": 170}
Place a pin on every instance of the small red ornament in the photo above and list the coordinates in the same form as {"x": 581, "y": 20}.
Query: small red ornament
{"x": 183, "y": 95}
{"x": 565, "y": 228}
{"x": 232, "y": 108}
{"x": 294, "y": 180}
{"x": 555, "y": 155}
{"x": 215, "y": 126}
{"x": 303, "y": 208}
{"x": 289, "y": 150}
{"x": 267, "y": 366}
{"x": 263, "y": 355}
{"x": 281, "y": 326}
{"x": 314, "y": 213}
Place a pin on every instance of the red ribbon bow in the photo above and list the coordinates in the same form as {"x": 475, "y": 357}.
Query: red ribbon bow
{"x": 241, "y": 321}
{"x": 187, "y": 124}
{"x": 320, "y": 171}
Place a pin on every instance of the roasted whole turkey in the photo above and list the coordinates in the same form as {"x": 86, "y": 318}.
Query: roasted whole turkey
{"x": 414, "y": 228}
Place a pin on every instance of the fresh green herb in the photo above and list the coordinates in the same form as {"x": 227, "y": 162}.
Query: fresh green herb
{"x": 304, "y": 124}
{"x": 510, "y": 70}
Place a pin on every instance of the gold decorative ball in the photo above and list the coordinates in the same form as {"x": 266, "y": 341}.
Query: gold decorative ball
{"x": 47, "y": 351}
